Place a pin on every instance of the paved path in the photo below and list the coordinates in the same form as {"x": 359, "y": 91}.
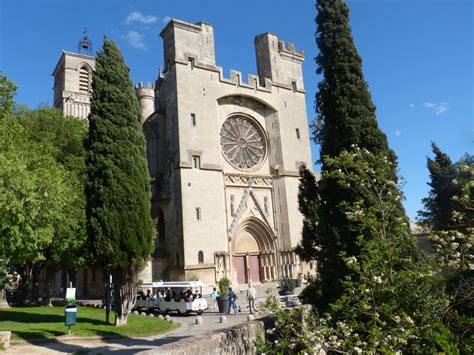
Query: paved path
{"x": 136, "y": 345}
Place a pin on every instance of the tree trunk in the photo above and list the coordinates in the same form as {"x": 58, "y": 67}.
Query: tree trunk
{"x": 48, "y": 285}
{"x": 36, "y": 275}
{"x": 23, "y": 292}
{"x": 107, "y": 296}
{"x": 124, "y": 294}
{"x": 3, "y": 299}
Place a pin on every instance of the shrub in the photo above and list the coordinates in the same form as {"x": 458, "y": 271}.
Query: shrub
{"x": 224, "y": 286}
{"x": 287, "y": 284}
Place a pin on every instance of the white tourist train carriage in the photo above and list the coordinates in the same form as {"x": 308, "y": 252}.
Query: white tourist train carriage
{"x": 160, "y": 304}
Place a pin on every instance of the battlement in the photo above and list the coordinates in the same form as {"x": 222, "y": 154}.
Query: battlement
{"x": 148, "y": 85}
{"x": 146, "y": 98}
{"x": 278, "y": 63}
{"x": 289, "y": 49}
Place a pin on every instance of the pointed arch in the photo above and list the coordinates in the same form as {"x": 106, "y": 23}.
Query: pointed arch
{"x": 263, "y": 235}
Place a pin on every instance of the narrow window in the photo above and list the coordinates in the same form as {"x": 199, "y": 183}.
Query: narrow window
{"x": 198, "y": 214}
{"x": 177, "y": 259}
{"x": 193, "y": 119}
{"x": 196, "y": 162}
{"x": 190, "y": 63}
{"x": 298, "y": 133}
{"x": 84, "y": 84}
{"x": 200, "y": 257}
{"x": 293, "y": 86}
{"x": 265, "y": 204}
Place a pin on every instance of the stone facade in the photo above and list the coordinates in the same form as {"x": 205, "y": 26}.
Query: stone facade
{"x": 224, "y": 155}
{"x": 72, "y": 84}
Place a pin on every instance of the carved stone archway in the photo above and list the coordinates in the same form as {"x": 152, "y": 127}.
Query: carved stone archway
{"x": 254, "y": 246}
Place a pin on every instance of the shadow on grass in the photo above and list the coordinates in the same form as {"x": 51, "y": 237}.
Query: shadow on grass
{"x": 44, "y": 337}
{"x": 30, "y": 317}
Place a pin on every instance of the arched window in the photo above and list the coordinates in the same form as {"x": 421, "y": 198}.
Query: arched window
{"x": 200, "y": 257}
{"x": 84, "y": 79}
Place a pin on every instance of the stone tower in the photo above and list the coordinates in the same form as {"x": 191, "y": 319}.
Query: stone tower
{"x": 72, "y": 84}
{"x": 224, "y": 154}
{"x": 146, "y": 98}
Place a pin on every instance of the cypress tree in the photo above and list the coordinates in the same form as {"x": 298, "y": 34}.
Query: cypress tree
{"x": 345, "y": 119}
{"x": 119, "y": 224}
{"x": 439, "y": 205}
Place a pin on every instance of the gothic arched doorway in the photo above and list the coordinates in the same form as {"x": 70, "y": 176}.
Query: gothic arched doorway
{"x": 253, "y": 251}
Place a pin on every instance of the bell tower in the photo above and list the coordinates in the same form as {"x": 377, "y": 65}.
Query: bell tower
{"x": 73, "y": 80}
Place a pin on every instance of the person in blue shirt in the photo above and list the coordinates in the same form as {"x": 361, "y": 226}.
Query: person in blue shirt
{"x": 214, "y": 295}
{"x": 233, "y": 301}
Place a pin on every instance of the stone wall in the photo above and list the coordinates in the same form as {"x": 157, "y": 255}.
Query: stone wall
{"x": 239, "y": 339}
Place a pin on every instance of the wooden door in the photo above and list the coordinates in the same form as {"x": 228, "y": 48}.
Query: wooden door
{"x": 254, "y": 268}
{"x": 240, "y": 268}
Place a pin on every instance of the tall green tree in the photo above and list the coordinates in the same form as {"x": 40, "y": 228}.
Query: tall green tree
{"x": 345, "y": 118}
{"x": 7, "y": 92}
{"x": 35, "y": 197}
{"x": 439, "y": 205}
{"x": 119, "y": 224}
{"x": 65, "y": 136}
{"x": 449, "y": 216}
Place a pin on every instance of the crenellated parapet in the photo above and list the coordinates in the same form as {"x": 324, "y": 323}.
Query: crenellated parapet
{"x": 288, "y": 50}
{"x": 278, "y": 63}
{"x": 146, "y": 97}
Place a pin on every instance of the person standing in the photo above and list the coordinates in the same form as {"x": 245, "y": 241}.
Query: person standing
{"x": 214, "y": 295}
{"x": 233, "y": 301}
{"x": 251, "y": 297}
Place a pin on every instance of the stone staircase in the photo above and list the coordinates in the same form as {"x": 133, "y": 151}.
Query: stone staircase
{"x": 290, "y": 301}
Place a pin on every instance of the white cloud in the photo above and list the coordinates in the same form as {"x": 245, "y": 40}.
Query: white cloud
{"x": 136, "y": 39}
{"x": 411, "y": 105}
{"x": 166, "y": 19}
{"x": 136, "y": 16}
{"x": 437, "y": 108}
{"x": 440, "y": 109}
{"x": 398, "y": 133}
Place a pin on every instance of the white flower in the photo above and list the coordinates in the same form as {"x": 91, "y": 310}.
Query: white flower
{"x": 397, "y": 319}
{"x": 378, "y": 279}
{"x": 351, "y": 260}
{"x": 358, "y": 350}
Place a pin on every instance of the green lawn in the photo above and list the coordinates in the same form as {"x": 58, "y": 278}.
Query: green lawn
{"x": 48, "y": 322}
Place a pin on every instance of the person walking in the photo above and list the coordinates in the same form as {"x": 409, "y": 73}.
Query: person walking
{"x": 214, "y": 295}
{"x": 251, "y": 297}
{"x": 233, "y": 301}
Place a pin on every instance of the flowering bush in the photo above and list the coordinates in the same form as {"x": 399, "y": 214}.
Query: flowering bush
{"x": 392, "y": 300}
{"x": 454, "y": 254}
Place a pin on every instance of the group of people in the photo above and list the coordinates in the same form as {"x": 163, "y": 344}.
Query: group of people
{"x": 170, "y": 294}
{"x": 251, "y": 297}
{"x": 187, "y": 295}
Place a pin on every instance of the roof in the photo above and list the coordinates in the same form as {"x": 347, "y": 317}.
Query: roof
{"x": 173, "y": 284}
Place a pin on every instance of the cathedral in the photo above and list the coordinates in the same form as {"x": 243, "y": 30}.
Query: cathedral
{"x": 223, "y": 154}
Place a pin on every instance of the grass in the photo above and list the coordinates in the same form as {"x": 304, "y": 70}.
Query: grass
{"x": 48, "y": 322}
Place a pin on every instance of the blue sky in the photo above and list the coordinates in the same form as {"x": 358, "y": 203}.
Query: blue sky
{"x": 417, "y": 57}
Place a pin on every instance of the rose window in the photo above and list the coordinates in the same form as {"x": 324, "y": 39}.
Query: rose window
{"x": 242, "y": 142}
